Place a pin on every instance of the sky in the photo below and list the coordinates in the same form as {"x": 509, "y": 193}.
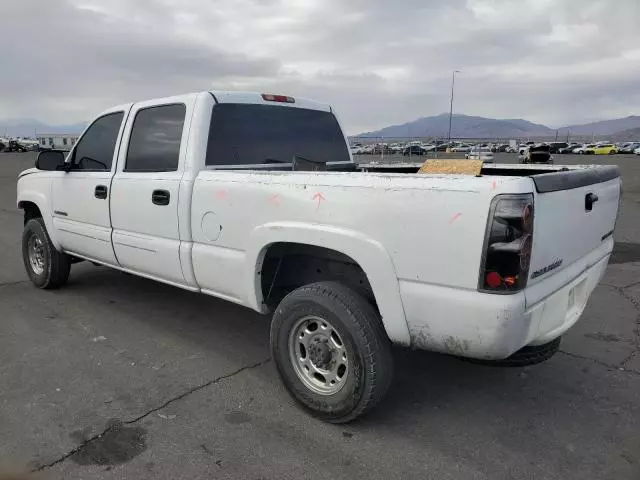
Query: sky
{"x": 378, "y": 62}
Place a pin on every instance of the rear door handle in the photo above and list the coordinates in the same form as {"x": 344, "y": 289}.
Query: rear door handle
{"x": 589, "y": 200}
{"x": 101, "y": 192}
{"x": 160, "y": 197}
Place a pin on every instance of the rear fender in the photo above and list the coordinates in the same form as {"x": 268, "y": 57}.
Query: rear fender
{"x": 368, "y": 253}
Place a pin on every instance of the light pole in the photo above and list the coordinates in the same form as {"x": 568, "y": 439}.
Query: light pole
{"x": 453, "y": 83}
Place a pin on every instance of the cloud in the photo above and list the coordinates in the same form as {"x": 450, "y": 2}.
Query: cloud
{"x": 378, "y": 62}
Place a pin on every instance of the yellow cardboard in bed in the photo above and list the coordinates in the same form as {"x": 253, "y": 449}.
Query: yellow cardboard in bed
{"x": 452, "y": 167}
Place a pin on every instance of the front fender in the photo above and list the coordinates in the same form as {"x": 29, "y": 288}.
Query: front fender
{"x": 29, "y": 193}
{"x": 367, "y": 252}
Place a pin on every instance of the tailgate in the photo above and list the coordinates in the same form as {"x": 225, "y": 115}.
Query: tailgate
{"x": 575, "y": 214}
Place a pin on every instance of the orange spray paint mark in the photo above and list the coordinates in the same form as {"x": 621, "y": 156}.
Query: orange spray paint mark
{"x": 454, "y": 218}
{"x": 275, "y": 199}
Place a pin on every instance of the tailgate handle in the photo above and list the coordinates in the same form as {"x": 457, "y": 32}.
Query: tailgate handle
{"x": 589, "y": 200}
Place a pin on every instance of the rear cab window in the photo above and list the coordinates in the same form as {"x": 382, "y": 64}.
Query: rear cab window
{"x": 246, "y": 135}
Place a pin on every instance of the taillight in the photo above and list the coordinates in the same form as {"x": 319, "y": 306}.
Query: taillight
{"x": 507, "y": 245}
{"x": 278, "y": 98}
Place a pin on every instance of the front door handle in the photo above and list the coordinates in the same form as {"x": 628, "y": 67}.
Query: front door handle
{"x": 160, "y": 197}
{"x": 101, "y": 192}
{"x": 589, "y": 200}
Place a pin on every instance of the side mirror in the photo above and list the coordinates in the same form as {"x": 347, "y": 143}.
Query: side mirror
{"x": 50, "y": 160}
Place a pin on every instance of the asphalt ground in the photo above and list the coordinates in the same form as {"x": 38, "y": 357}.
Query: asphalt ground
{"x": 116, "y": 376}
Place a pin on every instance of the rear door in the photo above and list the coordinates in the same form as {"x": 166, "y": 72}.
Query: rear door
{"x": 144, "y": 200}
{"x": 575, "y": 214}
{"x": 81, "y": 196}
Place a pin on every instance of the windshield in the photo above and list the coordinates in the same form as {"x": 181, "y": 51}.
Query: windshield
{"x": 249, "y": 134}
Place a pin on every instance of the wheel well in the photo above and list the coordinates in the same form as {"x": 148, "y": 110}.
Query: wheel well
{"x": 31, "y": 210}
{"x": 287, "y": 266}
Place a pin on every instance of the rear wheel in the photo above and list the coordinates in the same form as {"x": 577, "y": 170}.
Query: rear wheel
{"x": 331, "y": 351}
{"x": 47, "y": 268}
{"x": 612, "y": 152}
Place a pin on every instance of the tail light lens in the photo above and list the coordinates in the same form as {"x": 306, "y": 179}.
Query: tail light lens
{"x": 507, "y": 246}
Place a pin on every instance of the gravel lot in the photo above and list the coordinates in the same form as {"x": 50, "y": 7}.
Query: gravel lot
{"x": 119, "y": 377}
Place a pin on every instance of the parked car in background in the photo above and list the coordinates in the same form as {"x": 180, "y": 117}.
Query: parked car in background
{"x": 629, "y": 147}
{"x": 414, "y": 150}
{"x": 539, "y": 153}
{"x": 461, "y": 148}
{"x": 569, "y": 148}
{"x": 602, "y": 149}
{"x": 522, "y": 148}
{"x": 637, "y": 151}
{"x": 501, "y": 148}
{"x": 480, "y": 153}
{"x": 554, "y": 147}
{"x": 581, "y": 150}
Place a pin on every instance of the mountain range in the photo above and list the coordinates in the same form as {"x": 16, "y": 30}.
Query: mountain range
{"x": 466, "y": 126}
{"x": 462, "y": 126}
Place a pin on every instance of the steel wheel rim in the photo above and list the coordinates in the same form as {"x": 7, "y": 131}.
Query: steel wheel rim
{"x": 318, "y": 355}
{"x": 35, "y": 252}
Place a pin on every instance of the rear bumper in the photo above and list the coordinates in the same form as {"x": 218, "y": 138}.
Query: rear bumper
{"x": 487, "y": 326}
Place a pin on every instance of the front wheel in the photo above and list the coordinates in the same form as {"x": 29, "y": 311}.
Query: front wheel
{"x": 47, "y": 268}
{"x": 331, "y": 351}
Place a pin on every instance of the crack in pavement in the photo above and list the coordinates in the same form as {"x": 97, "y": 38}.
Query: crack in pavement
{"x": 608, "y": 366}
{"x": 17, "y": 282}
{"x": 636, "y": 331}
{"x": 149, "y": 412}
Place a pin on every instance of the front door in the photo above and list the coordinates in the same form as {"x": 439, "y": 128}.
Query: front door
{"x": 81, "y": 196}
{"x": 144, "y": 201}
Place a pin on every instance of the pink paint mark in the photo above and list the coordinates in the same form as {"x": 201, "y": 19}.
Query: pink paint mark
{"x": 319, "y": 198}
{"x": 275, "y": 199}
{"x": 493, "y": 185}
{"x": 221, "y": 194}
{"x": 454, "y": 218}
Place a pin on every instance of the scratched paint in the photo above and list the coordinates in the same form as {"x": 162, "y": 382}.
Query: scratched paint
{"x": 221, "y": 194}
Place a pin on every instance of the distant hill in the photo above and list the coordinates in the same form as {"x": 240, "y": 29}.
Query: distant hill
{"x": 626, "y": 135}
{"x": 30, "y": 127}
{"x": 605, "y": 127}
{"x": 463, "y": 126}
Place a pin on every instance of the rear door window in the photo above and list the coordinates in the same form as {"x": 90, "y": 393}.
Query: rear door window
{"x": 154, "y": 145}
{"x": 245, "y": 134}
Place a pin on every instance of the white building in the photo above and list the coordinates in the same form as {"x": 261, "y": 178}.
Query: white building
{"x": 57, "y": 141}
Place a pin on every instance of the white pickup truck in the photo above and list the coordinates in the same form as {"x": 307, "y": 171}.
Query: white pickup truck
{"x": 255, "y": 199}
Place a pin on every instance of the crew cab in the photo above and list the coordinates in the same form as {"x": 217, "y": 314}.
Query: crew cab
{"x": 255, "y": 199}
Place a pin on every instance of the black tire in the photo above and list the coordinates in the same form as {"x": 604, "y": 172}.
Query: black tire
{"x": 526, "y": 356}
{"x": 366, "y": 345}
{"x": 56, "y": 265}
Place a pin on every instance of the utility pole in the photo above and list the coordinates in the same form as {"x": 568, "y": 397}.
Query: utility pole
{"x": 453, "y": 83}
